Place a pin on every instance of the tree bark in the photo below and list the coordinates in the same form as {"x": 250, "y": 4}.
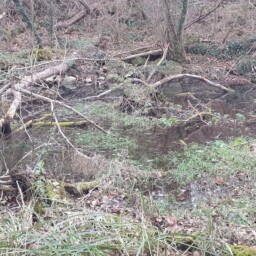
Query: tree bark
{"x": 174, "y": 31}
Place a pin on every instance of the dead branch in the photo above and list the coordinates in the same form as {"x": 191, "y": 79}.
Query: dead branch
{"x": 76, "y": 18}
{"x": 159, "y": 63}
{"x": 134, "y": 51}
{"x": 140, "y": 81}
{"x": 99, "y": 96}
{"x": 173, "y": 77}
{"x": 5, "y": 88}
{"x": 26, "y": 82}
{"x": 63, "y": 135}
{"x": 143, "y": 54}
{"x": 63, "y": 105}
{"x": 201, "y": 17}
{"x": 85, "y": 5}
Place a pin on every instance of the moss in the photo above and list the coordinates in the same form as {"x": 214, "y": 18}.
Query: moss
{"x": 61, "y": 124}
{"x": 55, "y": 193}
{"x": 80, "y": 188}
{"x": 75, "y": 189}
{"x": 139, "y": 61}
{"x": 169, "y": 68}
{"x": 39, "y": 209}
{"x": 42, "y": 54}
{"x": 241, "y": 250}
{"x": 46, "y": 54}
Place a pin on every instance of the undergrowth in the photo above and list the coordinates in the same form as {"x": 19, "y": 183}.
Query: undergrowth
{"x": 218, "y": 158}
{"x": 78, "y": 231}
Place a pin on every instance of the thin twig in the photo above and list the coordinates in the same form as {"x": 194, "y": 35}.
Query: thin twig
{"x": 63, "y": 135}
{"x": 63, "y": 105}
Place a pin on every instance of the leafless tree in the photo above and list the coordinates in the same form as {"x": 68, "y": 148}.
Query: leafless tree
{"x": 175, "y": 12}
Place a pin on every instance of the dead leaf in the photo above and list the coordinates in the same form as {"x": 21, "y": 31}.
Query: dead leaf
{"x": 219, "y": 181}
{"x": 172, "y": 223}
{"x": 242, "y": 176}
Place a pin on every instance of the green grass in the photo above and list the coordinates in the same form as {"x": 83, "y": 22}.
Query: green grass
{"x": 72, "y": 231}
{"x": 215, "y": 159}
{"x": 108, "y": 114}
{"x": 101, "y": 141}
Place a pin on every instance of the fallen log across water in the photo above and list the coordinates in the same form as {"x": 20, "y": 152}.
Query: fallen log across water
{"x": 179, "y": 76}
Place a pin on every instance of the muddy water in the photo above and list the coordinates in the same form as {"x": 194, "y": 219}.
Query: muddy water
{"x": 159, "y": 141}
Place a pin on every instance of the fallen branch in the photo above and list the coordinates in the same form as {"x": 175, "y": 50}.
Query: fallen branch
{"x": 32, "y": 123}
{"x": 63, "y": 105}
{"x": 201, "y": 17}
{"x": 63, "y": 135}
{"x": 159, "y": 63}
{"x": 173, "y": 77}
{"x": 5, "y": 88}
{"x": 143, "y": 54}
{"x": 26, "y": 82}
{"x": 35, "y": 78}
{"x": 99, "y": 96}
{"x": 67, "y": 23}
{"x": 26, "y": 182}
{"x": 133, "y": 51}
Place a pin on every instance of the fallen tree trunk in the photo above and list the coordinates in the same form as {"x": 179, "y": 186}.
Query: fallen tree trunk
{"x": 27, "y": 81}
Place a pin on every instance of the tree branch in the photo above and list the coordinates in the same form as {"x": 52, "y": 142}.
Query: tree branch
{"x": 63, "y": 105}
{"x": 201, "y": 17}
{"x": 170, "y": 78}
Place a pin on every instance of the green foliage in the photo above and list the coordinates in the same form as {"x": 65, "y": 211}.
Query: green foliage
{"x": 244, "y": 65}
{"x": 168, "y": 121}
{"x": 81, "y": 44}
{"x": 107, "y": 114}
{"x": 8, "y": 59}
{"x": 139, "y": 61}
{"x": 40, "y": 183}
{"x": 230, "y": 50}
{"x": 239, "y": 250}
{"x": 216, "y": 159}
{"x": 98, "y": 140}
{"x": 84, "y": 232}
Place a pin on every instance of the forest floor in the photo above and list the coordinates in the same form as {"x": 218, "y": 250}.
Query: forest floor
{"x": 175, "y": 173}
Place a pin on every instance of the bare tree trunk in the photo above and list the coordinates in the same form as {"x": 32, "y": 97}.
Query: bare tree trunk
{"x": 174, "y": 29}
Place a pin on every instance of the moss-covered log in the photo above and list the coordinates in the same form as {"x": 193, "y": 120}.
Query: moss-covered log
{"x": 42, "y": 188}
{"x": 34, "y": 124}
